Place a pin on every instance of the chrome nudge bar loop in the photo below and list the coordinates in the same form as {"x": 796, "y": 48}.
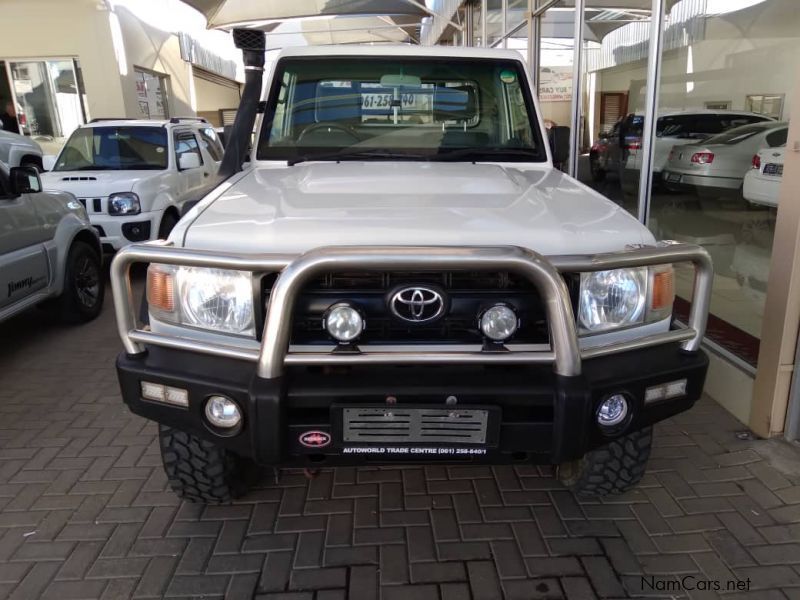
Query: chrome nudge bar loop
{"x": 297, "y": 271}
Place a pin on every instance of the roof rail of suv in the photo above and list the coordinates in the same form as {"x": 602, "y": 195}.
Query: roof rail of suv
{"x": 99, "y": 119}
{"x": 179, "y": 119}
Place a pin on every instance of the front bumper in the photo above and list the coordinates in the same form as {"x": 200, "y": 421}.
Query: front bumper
{"x": 118, "y": 232}
{"x": 542, "y": 417}
{"x": 538, "y": 404}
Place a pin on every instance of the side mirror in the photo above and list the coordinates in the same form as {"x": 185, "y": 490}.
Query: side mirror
{"x": 559, "y": 143}
{"x": 25, "y": 180}
{"x": 188, "y": 160}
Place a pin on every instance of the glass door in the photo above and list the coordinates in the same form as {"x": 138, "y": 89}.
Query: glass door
{"x": 47, "y": 97}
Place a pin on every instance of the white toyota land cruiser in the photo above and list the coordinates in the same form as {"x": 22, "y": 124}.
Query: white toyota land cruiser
{"x": 134, "y": 177}
{"x": 400, "y": 275}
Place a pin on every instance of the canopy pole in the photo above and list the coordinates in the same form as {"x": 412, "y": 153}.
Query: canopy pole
{"x": 651, "y": 107}
{"x": 577, "y": 80}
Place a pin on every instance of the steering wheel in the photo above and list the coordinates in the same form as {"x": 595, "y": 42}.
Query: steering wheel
{"x": 329, "y": 127}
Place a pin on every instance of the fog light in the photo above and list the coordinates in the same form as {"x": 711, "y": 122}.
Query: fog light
{"x": 223, "y": 412}
{"x": 665, "y": 391}
{"x": 612, "y": 411}
{"x": 164, "y": 393}
{"x": 499, "y": 322}
{"x": 343, "y": 322}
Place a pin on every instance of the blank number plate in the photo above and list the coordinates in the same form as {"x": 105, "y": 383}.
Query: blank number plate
{"x": 414, "y": 425}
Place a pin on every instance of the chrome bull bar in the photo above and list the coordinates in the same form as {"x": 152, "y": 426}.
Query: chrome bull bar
{"x": 296, "y": 271}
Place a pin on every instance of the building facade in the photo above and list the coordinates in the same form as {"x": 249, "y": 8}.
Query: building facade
{"x": 112, "y": 63}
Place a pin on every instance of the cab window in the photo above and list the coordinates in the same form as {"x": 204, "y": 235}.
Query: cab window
{"x": 387, "y": 108}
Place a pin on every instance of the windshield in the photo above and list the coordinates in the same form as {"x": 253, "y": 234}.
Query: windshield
{"x": 399, "y": 108}
{"x": 114, "y": 148}
{"x": 739, "y": 134}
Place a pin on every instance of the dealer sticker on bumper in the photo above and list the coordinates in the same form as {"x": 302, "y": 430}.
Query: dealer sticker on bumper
{"x": 412, "y": 450}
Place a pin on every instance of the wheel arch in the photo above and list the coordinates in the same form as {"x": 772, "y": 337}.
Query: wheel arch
{"x": 67, "y": 234}
{"x": 32, "y": 158}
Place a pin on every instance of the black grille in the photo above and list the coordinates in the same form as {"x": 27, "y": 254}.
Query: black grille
{"x": 469, "y": 293}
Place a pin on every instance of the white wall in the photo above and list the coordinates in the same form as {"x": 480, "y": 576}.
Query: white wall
{"x": 154, "y": 50}
{"x": 214, "y": 96}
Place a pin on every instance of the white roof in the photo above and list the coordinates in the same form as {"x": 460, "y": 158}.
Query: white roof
{"x": 141, "y": 122}
{"x": 404, "y": 50}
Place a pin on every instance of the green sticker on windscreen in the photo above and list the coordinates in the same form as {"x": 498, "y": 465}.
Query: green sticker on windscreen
{"x": 508, "y": 76}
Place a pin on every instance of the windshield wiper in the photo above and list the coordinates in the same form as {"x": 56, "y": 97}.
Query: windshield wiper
{"x": 348, "y": 154}
{"x": 488, "y": 153}
{"x": 90, "y": 168}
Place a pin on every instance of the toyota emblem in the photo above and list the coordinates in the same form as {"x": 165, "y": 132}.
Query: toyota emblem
{"x": 417, "y": 304}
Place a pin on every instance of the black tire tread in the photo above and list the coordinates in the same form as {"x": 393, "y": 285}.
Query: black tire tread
{"x": 613, "y": 468}
{"x": 199, "y": 471}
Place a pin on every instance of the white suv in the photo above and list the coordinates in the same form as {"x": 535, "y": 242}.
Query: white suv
{"x": 134, "y": 177}
{"x": 401, "y": 274}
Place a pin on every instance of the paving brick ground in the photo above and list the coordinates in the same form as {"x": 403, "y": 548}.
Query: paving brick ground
{"x": 85, "y": 512}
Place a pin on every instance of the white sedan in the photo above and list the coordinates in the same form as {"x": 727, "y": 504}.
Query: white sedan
{"x": 763, "y": 182}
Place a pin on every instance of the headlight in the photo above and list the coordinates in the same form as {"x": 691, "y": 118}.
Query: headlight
{"x": 124, "y": 203}
{"x": 625, "y": 297}
{"x": 612, "y": 299}
{"x": 216, "y": 299}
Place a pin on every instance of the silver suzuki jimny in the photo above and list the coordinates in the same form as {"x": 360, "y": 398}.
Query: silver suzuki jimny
{"x": 398, "y": 274}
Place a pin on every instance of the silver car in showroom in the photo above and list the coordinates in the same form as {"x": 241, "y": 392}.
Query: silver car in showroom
{"x": 717, "y": 166}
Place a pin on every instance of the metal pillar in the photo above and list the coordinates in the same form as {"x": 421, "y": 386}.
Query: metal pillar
{"x": 651, "y": 107}
{"x": 469, "y": 24}
{"x": 504, "y": 11}
{"x": 534, "y": 43}
{"x": 577, "y": 79}
{"x": 484, "y": 12}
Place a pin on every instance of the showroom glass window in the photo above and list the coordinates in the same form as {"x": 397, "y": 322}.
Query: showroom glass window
{"x": 743, "y": 54}
{"x": 151, "y": 93}
{"x": 727, "y": 68}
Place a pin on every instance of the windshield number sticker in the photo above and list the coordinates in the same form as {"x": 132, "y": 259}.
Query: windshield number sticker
{"x": 381, "y": 101}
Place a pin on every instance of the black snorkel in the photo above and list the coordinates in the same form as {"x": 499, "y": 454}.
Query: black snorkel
{"x": 252, "y": 43}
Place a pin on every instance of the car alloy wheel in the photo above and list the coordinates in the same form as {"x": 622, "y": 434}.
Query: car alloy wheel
{"x": 87, "y": 282}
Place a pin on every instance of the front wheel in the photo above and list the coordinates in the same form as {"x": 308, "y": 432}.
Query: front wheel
{"x": 614, "y": 468}
{"x": 199, "y": 471}
{"x": 84, "y": 286}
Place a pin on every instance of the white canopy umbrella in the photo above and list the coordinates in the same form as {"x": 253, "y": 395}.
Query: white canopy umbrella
{"x": 229, "y": 13}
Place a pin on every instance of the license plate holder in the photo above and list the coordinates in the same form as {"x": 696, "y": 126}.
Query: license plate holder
{"x": 421, "y": 426}
{"x": 773, "y": 169}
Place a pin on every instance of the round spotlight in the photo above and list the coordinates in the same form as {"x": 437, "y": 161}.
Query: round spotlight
{"x": 499, "y": 322}
{"x": 343, "y": 322}
{"x": 223, "y": 412}
{"x": 612, "y": 411}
